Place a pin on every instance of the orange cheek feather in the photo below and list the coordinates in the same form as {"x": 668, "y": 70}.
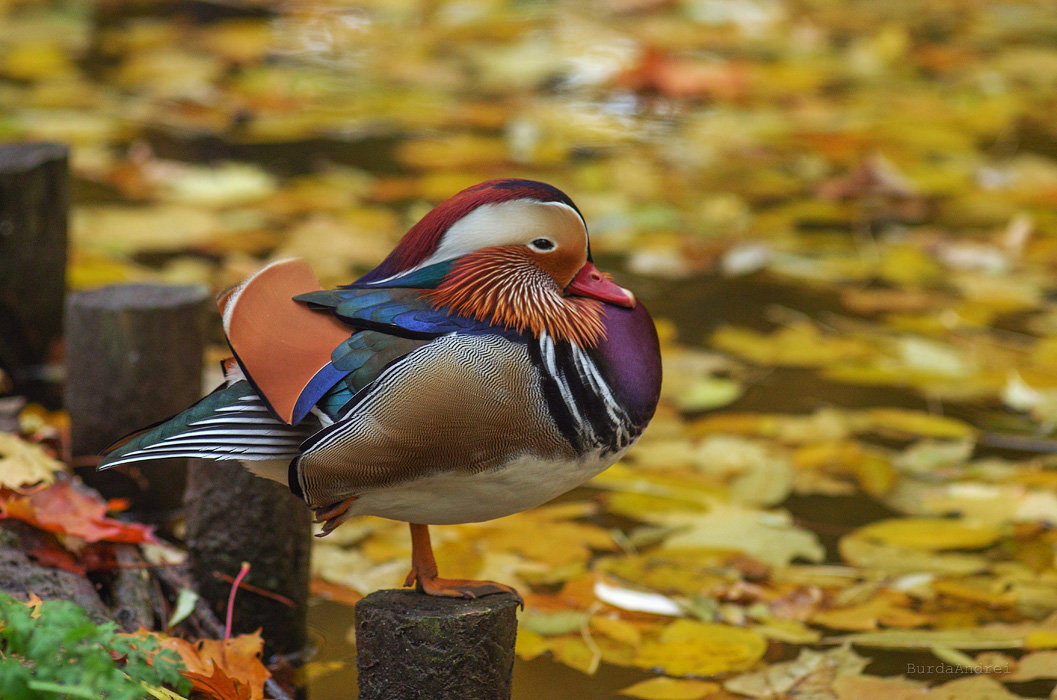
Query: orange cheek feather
{"x": 506, "y": 286}
{"x": 561, "y": 265}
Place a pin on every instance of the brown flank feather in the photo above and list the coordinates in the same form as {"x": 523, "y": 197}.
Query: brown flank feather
{"x": 504, "y": 287}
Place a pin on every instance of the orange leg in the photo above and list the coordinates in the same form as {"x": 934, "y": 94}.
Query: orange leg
{"x": 424, "y": 573}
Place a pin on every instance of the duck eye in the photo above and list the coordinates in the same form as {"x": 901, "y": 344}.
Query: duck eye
{"x": 542, "y": 244}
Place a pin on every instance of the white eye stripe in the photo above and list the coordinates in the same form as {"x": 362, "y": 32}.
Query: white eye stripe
{"x": 503, "y": 224}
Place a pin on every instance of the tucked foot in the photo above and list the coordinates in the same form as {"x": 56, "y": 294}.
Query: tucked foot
{"x": 333, "y": 515}
{"x": 458, "y": 587}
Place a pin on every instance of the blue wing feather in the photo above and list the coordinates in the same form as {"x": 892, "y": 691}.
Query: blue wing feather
{"x": 391, "y": 319}
{"x": 398, "y": 311}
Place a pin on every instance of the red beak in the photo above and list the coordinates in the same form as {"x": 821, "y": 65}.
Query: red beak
{"x": 589, "y": 282}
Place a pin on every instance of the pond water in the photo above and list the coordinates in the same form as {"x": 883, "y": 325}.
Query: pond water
{"x": 888, "y": 170}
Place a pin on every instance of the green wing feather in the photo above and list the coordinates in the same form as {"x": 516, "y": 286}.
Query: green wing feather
{"x": 233, "y": 422}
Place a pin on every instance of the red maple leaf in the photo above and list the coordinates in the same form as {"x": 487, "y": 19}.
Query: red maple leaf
{"x": 219, "y": 685}
{"x": 69, "y": 509}
{"x": 222, "y": 669}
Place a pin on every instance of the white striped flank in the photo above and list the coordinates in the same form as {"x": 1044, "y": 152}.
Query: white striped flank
{"x": 617, "y": 434}
{"x": 589, "y": 371}
{"x": 551, "y": 364}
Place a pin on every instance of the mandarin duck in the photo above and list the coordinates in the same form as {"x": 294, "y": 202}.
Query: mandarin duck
{"x": 483, "y": 368}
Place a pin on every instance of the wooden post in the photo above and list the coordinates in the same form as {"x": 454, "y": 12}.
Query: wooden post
{"x": 233, "y": 516}
{"x": 34, "y": 201}
{"x": 410, "y": 645}
{"x": 133, "y": 357}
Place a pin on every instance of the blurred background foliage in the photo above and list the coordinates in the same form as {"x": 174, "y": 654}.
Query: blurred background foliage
{"x": 841, "y": 213}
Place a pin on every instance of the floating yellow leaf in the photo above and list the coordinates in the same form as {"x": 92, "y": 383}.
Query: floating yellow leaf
{"x": 529, "y": 644}
{"x": 616, "y": 629}
{"x": 794, "y": 430}
{"x": 972, "y": 688}
{"x": 33, "y": 60}
{"x": 791, "y": 631}
{"x": 861, "y": 552}
{"x": 670, "y": 689}
{"x": 690, "y": 648}
{"x": 799, "y": 344}
{"x": 86, "y": 271}
{"x": 994, "y": 636}
{"x": 574, "y": 652}
{"x": 886, "y": 609}
{"x": 904, "y": 422}
{"x": 769, "y": 536}
{"x": 452, "y": 152}
{"x": 1041, "y": 639}
{"x": 985, "y": 592}
{"x": 552, "y": 624}
{"x": 929, "y": 533}
{"x": 635, "y": 505}
{"x": 223, "y": 185}
{"x": 549, "y": 534}
{"x": 708, "y": 393}
{"x": 123, "y": 230}
{"x": 870, "y": 468}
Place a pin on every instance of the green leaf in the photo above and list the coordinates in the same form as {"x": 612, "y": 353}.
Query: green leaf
{"x": 185, "y": 605}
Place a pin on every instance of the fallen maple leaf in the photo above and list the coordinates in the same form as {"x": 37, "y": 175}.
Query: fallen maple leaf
{"x": 68, "y": 509}
{"x": 219, "y": 685}
{"x": 228, "y": 669}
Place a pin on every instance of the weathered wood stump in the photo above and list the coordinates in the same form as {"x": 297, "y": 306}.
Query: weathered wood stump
{"x": 133, "y": 357}
{"x": 232, "y": 517}
{"x": 20, "y": 576}
{"x": 410, "y": 645}
{"x": 34, "y": 201}
{"x": 132, "y": 589}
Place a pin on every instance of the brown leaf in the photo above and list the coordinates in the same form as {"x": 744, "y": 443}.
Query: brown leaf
{"x": 231, "y": 666}
{"x": 887, "y": 609}
{"x": 219, "y": 685}
{"x": 68, "y": 509}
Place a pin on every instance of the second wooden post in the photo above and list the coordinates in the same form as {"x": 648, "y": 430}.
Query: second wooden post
{"x": 233, "y": 516}
{"x": 133, "y": 357}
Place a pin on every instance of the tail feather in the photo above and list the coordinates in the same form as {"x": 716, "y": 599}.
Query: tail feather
{"x": 233, "y": 422}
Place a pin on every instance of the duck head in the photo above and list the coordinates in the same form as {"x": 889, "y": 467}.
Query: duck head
{"x": 519, "y": 257}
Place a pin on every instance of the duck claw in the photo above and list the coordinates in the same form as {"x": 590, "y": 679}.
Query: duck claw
{"x": 459, "y": 587}
{"x": 333, "y": 515}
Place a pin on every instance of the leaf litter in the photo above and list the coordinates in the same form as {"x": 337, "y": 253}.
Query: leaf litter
{"x": 887, "y": 171}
